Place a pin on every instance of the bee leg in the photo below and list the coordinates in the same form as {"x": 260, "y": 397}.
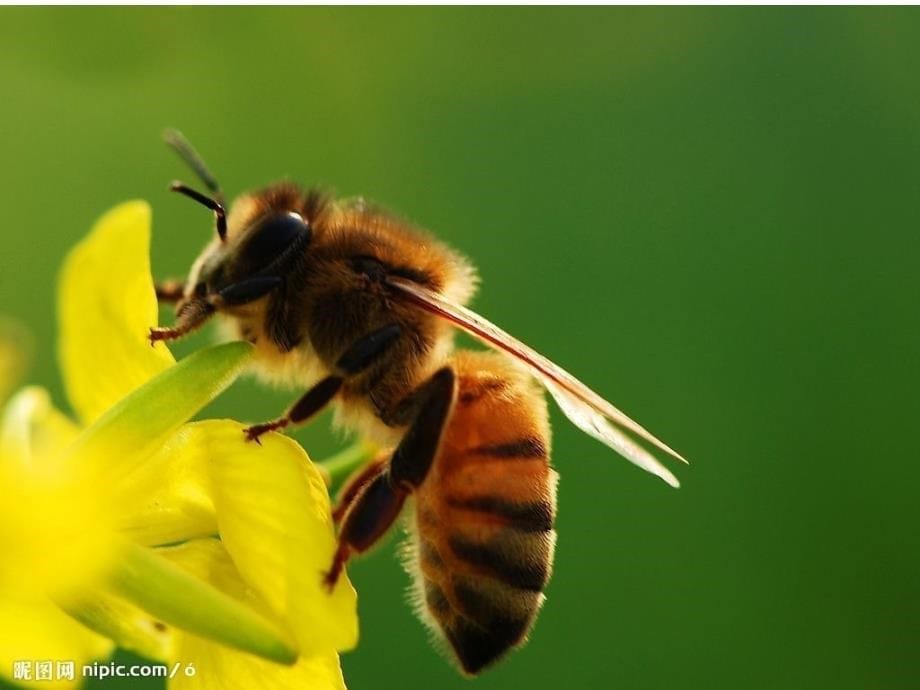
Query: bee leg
{"x": 356, "y": 483}
{"x": 368, "y": 518}
{"x": 362, "y": 354}
{"x": 191, "y": 315}
{"x": 169, "y": 291}
{"x": 312, "y": 402}
{"x": 247, "y": 291}
{"x": 375, "y": 507}
{"x": 368, "y": 349}
{"x": 429, "y": 408}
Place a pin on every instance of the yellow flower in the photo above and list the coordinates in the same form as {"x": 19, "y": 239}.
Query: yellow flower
{"x": 46, "y": 539}
{"x": 141, "y": 519}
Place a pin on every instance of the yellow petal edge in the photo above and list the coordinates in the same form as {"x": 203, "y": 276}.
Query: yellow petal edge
{"x": 106, "y": 305}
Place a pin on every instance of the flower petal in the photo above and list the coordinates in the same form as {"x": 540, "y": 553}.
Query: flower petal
{"x": 106, "y": 306}
{"x": 173, "y": 494}
{"x": 33, "y": 630}
{"x": 274, "y": 519}
{"x": 33, "y": 430}
{"x": 141, "y": 423}
{"x": 53, "y": 521}
{"x": 208, "y": 666}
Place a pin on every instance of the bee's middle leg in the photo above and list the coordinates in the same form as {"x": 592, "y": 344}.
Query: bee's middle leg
{"x": 356, "y": 359}
{"x": 377, "y": 504}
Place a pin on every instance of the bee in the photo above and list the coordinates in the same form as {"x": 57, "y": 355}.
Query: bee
{"x": 359, "y": 308}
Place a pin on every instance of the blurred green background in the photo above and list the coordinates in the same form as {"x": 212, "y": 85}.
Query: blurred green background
{"x": 711, "y": 215}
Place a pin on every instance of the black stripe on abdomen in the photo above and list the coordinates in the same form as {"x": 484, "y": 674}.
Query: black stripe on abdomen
{"x": 533, "y": 516}
{"x": 493, "y": 558}
{"x": 470, "y": 393}
{"x": 525, "y": 448}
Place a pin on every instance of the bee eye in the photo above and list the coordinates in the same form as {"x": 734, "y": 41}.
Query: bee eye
{"x": 271, "y": 236}
{"x": 201, "y": 289}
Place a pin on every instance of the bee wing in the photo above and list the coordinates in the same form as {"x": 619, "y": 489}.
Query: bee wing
{"x": 586, "y": 409}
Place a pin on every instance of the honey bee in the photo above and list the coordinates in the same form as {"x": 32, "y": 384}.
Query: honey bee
{"x": 359, "y": 308}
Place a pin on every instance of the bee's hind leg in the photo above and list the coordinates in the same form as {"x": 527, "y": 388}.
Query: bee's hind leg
{"x": 378, "y": 502}
{"x": 368, "y": 517}
{"x": 356, "y": 483}
{"x": 426, "y": 411}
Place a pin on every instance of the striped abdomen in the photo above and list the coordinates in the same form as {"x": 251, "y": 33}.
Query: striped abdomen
{"x": 484, "y": 542}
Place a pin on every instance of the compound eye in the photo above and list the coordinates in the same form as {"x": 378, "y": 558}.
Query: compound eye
{"x": 273, "y": 235}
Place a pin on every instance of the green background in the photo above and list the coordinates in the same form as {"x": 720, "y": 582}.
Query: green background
{"x": 711, "y": 215}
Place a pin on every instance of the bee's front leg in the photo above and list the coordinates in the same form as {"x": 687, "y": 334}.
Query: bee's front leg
{"x": 191, "y": 315}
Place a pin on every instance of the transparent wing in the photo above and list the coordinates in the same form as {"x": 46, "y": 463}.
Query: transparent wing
{"x": 586, "y": 409}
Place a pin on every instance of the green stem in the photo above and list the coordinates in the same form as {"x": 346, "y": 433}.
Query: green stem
{"x": 341, "y": 465}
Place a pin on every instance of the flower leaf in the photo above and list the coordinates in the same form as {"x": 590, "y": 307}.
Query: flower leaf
{"x": 142, "y": 422}
{"x": 177, "y": 597}
{"x": 128, "y": 626}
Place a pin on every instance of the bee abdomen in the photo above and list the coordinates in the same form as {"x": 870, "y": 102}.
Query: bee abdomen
{"x": 485, "y": 514}
{"x": 483, "y": 564}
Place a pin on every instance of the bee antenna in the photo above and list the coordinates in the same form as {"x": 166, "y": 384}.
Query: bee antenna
{"x": 178, "y": 143}
{"x": 207, "y": 202}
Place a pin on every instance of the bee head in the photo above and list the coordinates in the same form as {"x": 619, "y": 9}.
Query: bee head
{"x": 246, "y": 261}
{"x": 251, "y": 261}
{"x": 243, "y": 265}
